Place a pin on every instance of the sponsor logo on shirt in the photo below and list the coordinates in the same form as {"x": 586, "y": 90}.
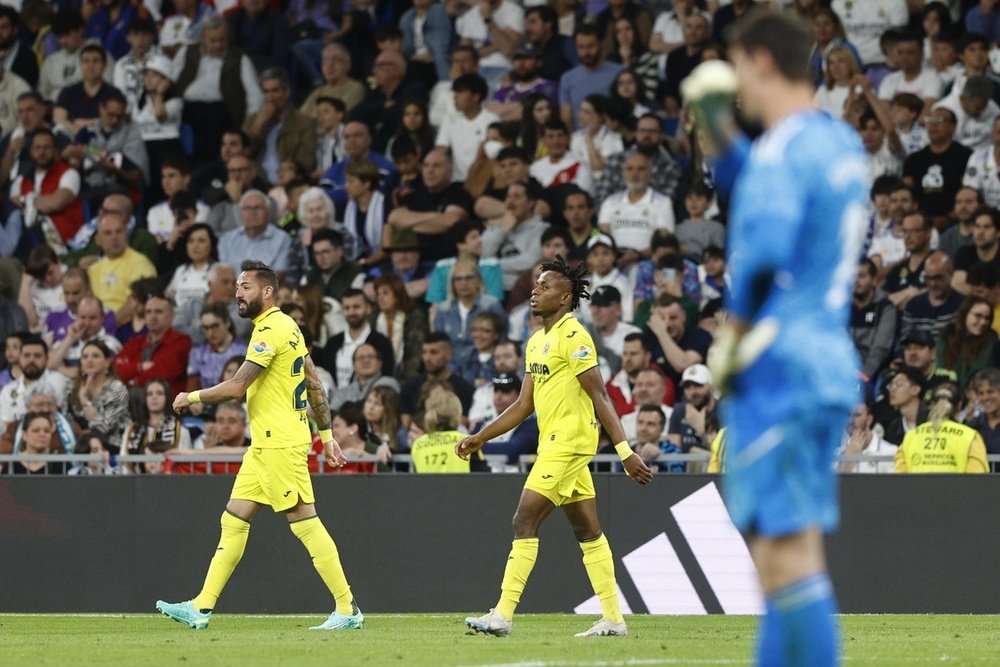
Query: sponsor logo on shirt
{"x": 260, "y": 347}
{"x": 582, "y": 352}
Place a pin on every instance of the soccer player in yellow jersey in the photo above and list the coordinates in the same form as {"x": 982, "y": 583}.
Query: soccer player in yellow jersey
{"x": 280, "y": 382}
{"x": 563, "y": 384}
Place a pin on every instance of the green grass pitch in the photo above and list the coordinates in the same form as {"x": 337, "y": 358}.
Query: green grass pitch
{"x": 539, "y": 640}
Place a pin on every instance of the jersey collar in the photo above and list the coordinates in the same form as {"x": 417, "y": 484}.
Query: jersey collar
{"x": 267, "y": 312}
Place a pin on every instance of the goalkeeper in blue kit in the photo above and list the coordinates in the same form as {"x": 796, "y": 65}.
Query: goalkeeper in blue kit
{"x": 785, "y": 358}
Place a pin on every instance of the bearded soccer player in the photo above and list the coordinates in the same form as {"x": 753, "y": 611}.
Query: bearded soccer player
{"x": 797, "y": 223}
{"x": 563, "y": 383}
{"x": 280, "y": 381}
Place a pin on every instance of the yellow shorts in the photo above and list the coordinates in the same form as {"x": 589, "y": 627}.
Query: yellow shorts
{"x": 562, "y": 477}
{"x": 275, "y": 477}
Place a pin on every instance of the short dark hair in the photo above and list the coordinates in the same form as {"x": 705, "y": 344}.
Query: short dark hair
{"x": 870, "y": 267}
{"x": 513, "y": 343}
{"x": 437, "y": 337}
{"x": 35, "y": 340}
{"x": 546, "y": 13}
{"x": 467, "y": 48}
{"x": 513, "y": 153}
{"x": 554, "y": 232}
{"x": 586, "y": 29}
{"x": 327, "y": 234}
{"x": 177, "y": 161}
{"x": 30, "y": 94}
{"x": 66, "y": 21}
{"x": 11, "y": 14}
{"x": 264, "y": 273}
{"x": 970, "y": 38}
{"x": 388, "y": 32}
{"x": 114, "y": 95}
{"x": 472, "y": 83}
{"x": 663, "y": 238}
{"x": 983, "y": 275}
{"x": 786, "y": 39}
{"x": 576, "y": 190}
{"x": 633, "y": 337}
{"x": 244, "y": 137}
{"x": 885, "y": 185}
{"x": 352, "y": 292}
{"x": 142, "y": 24}
{"x": 335, "y": 102}
{"x": 653, "y": 407}
{"x": 714, "y": 252}
{"x": 95, "y": 48}
{"x": 556, "y": 125}
{"x": 908, "y": 101}
{"x": 914, "y": 375}
{"x": 990, "y": 212}
{"x": 461, "y": 230}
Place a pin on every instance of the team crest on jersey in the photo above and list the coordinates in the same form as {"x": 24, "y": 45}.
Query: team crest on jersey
{"x": 582, "y": 352}
{"x": 260, "y": 347}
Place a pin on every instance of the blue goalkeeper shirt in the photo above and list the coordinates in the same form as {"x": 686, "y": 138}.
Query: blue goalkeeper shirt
{"x": 797, "y": 225}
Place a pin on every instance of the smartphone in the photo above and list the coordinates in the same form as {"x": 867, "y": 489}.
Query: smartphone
{"x": 670, "y": 275}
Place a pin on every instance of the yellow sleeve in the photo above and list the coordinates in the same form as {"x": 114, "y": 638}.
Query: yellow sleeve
{"x": 977, "y": 456}
{"x": 900, "y": 462}
{"x": 715, "y": 460}
{"x": 581, "y": 354}
{"x": 263, "y": 346}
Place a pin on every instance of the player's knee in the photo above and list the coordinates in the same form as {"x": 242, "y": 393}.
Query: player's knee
{"x": 524, "y": 525}
{"x": 586, "y": 533}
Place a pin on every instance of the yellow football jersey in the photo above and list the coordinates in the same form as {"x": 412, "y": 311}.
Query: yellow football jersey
{"x": 277, "y": 400}
{"x": 566, "y": 421}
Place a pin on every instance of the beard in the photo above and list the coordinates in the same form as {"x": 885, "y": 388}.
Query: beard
{"x": 249, "y": 309}
{"x": 32, "y": 372}
{"x": 522, "y": 77}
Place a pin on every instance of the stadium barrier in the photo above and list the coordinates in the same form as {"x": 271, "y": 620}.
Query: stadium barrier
{"x": 437, "y": 543}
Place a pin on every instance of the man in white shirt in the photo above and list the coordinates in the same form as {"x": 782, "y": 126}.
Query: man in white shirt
{"x": 865, "y": 21}
{"x": 601, "y": 255}
{"x": 860, "y": 440}
{"x": 63, "y": 67}
{"x": 560, "y": 166}
{"x": 33, "y": 362}
{"x": 632, "y": 215}
{"x": 465, "y": 130}
{"x": 912, "y": 76}
{"x": 493, "y": 27}
{"x": 464, "y": 60}
{"x": 982, "y": 173}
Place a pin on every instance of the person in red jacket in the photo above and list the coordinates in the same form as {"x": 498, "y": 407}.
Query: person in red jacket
{"x": 49, "y": 195}
{"x": 161, "y": 352}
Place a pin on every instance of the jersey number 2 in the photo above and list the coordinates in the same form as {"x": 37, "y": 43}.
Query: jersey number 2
{"x": 299, "y": 395}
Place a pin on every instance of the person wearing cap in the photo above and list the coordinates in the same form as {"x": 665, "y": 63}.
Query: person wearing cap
{"x": 525, "y": 79}
{"x": 507, "y": 359}
{"x": 519, "y": 441}
{"x": 158, "y": 114}
{"x": 606, "y": 314}
{"x": 975, "y": 112}
{"x": 687, "y": 422}
{"x": 632, "y": 215}
{"x": 77, "y": 104}
{"x": 937, "y": 306}
{"x": 515, "y": 237}
{"x": 601, "y": 256}
{"x": 873, "y": 321}
{"x": 465, "y": 130}
{"x": 127, "y": 72}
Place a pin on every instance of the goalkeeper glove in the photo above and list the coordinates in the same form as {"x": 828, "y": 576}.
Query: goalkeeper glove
{"x": 731, "y": 353}
{"x": 710, "y": 91}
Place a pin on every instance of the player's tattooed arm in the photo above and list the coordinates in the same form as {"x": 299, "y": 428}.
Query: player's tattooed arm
{"x": 235, "y": 388}
{"x": 317, "y": 396}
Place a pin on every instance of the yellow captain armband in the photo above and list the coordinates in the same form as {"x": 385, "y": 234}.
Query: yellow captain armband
{"x": 325, "y": 435}
{"x": 624, "y": 450}
{"x": 195, "y": 396}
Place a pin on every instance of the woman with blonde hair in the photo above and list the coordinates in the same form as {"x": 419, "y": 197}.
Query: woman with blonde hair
{"x": 434, "y": 451}
{"x": 841, "y": 68}
{"x": 942, "y": 444}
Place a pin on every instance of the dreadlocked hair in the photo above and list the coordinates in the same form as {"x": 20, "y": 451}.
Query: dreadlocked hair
{"x": 576, "y": 275}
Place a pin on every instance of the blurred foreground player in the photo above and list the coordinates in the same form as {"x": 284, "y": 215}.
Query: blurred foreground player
{"x": 563, "y": 383}
{"x": 797, "y": 223}
{"x": 280, "y": 381}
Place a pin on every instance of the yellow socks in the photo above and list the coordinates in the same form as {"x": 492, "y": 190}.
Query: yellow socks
{"x": 600, "y": 566}
{"x": 523, "y": 553}
{"x": 326, "y": 560}
{"x": 231, "y": 545}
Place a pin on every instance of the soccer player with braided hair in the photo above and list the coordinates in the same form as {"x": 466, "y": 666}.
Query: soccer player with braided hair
{"x": 563, "y": 384}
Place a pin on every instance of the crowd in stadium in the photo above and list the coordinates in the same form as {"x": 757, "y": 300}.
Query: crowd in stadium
{"x": 407, "y": 167}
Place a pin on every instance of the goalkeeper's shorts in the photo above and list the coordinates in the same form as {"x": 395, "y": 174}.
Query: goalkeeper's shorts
{"x": 780, "y": 478}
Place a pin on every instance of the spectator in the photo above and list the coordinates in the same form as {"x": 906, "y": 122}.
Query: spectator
{"x": 48, "y": 196}
{"x": 975, "y": 112}
{"x": 433, "y": 207}
{"x": 33, "y": 363}
{"x": 331, "y": 272}
{"x": 434, "y": 451}
{"x": 908, "y": 409}
{"x": 258, "y": 237}
{"x": 15, "y": 147}
{"x": 329, "y": 115}
{"x": 668, "y": 30}
{"x": 560, "y": 167}
{"x": 632, "y": 215}
{"x": 61, "y": 68}
{"x": 158, "y": 112}
{"x": 649, "y": 442}
{"x": 466, "y": 299}
{"x": 38, "y": 429}
{"x": 865, "y": 22}
{"x": 350, "y": 429}
{"x": 262, "y": 33}
{"x": 578, "y": 209}
{"x": 467, "y": 128}
{"x": 649, "y": 142}
{"x": 75, "y": 285}
{"x": 120, "y": 161}
{"x": 541, "y": 30}
{"x": 512, "y": 165}
{"x": 985, "y": 248}
{"x": 493, "y": 27}
{"x": 906, "y": 111}
{"x": 912, "y": 76}
{"x": 242, "y": 176}
{"x": 982, "y": 19}
{"x": 14, "y": 56}
{"x": 606, "y": 314}
{"x": 207, "y": 359}
{"x": 381, "y": 410}
{"x": 919, "y": 352}
{"x": 861, "y": 440}
{"x": 279, "y": 132}
{"x": 967, "y": 343}
{"x": 629, "y": 47}
{"x": 12, "y": 356}
{"x": 906, "y": 279}
{"x": 935, "y": 172}
{"x": 404, "y": 261}
{"x": 873, "y": 321}
{"x": 536, "y": 112}
{"x": 882, "y": 144}
{"x": 467, "y": 236}
{"x": 88, "y": 327}
{"x": 974, "y": 48}
{"x": 219, "y": 87}
{"x": 427, "y": 38}
{"x": 315, "y": 213}
{"x": 983, "y": 281}
{"x": 382, "y": 107}
{"x": 92, "y": 442}
{"x": 415, "y": 126}
{"x": 650, "y": 385}
{"x": 959, "y": 234}
{"x": 401, "y": 322}
{"x": 635, "y": 358}
{"x": 841, "y": 69}
{"x": 127, "y": 74}
{"x": 120, "y": 266}
{"x": 357, "y": 146}
{"x": 336, "y": 81}
{"x": 601, "y": 254}
{"x": 987, "y": 422}
{"x": 937, "y": 306}
{"x": 97, "y": 400}
{"x": 595, "y": 142}
{"x": 592, "y": 76}
{"x": 519, "y": 441}
{"x": 957, "y": 448}
{"x": 367, "y": 366}
{"x": 464, "y": 60}
{"x": 555, "y": 242}
{"x": 76, "y": 106}
{"x": 714, "y": 277}
{"x": 630, "y": 93}
{"x": 697, "y": 232}
{"x": 162, "y": 352}
{"x": 436, "y": 354}
{"x": 41, "y": 286}
{"x": 221, "y": 279}
{"x": 688, "y": 420}
{"x": 169, "y": 223}
{"x": 190, "y": 279}
{"x": 475, "y": 364}
{"x": 515, "y": 237}
{"x": 507, "y": 360}
{"x": 156, "y": 429}
{"x": 675, "y": 346}
{"x": 337, "y": 356}
{"x": 697, "y": 31}
{"x": 508, "y": 100}
{"x": 213, "y": 182}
